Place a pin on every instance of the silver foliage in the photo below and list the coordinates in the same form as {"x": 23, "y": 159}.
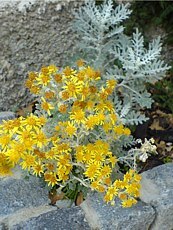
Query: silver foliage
{"x": 103, "y": 44}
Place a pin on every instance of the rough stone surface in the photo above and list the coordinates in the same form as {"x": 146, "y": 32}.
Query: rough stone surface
{"x": 33, "y": 33}
{"x": 24, "y": 204}
{"x": 106, "y": 217}
{"x": 6, "y": 116}
{"x": 60, "y": 219}
{"x": 157, "y": 190}
{"x": 21, "y": 193}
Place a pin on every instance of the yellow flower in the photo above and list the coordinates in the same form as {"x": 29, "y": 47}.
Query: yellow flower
{"x": 73, "y": 87}
{"x": 78, "y": 116}
{"x": 63, "y": 160}
{"x": 38, "y": 169}
{"x": 5, "y": 165}
{"x": 91, "y": 121}
{"x": 62, "y": 108}
{"x": 92, "y": 171}
{"x": 51, "y": 178}
{"x": 31, "y": 122}
{"x": 28, "y": 161}
{"x": 63, "y": 147}
{"x": 51, "y": 154}
{"x": 13, "y": 156}
{"x": 32, "y": 76}
{"x": 100, "y": 118}
{"x": 9, "y": 126}
{"x": 65, "y": 95}
{"x": 40, "y": 138}
{"x": 46, "y": 106}
{"x": 128, "y": 203}
{"x": 106, "y": 170}
{"x": 126, "y": 131}
{"x": 43, "y": 79}
{"x": 35, "y": 89}
{"x": 79, "y": 153}
{"x": 58, "y": 78}
{"x": 70, "y": 129}
{"x": 52, "y": 69}
{"x": 4, "y": 141}
{"x": 113, "y": 160}
{"x": 68, "y": 71}
{"x": 42, "y": 121}
{"x": 49, "y": 94}
{"x": 44, "y": 70}
{"x": 24, "y": 134}
{"x": 28, "y": 84}
{"x": 113, "y": 118}
{"x": 119, "y": 129}
{"x": 111, "y": 83}
{"x": 107, "y": 126}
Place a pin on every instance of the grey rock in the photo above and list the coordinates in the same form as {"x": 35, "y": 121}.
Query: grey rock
{"x": 157, "y": 190}
{"x": 60, "y": 219}
{"x": 31, "y": 36}
{"x": 106, "y": 217}
{"x": 6, "y": 116}
{"x": 21, "y": 193}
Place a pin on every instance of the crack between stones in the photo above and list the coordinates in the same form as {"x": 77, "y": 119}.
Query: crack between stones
{"x": 154, "y": 221}
{"x": 6, "y": 222}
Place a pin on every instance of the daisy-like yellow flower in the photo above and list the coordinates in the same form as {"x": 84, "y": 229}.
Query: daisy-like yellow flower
{"x": 51, "y": 178}
{"x": 119, "y": 129}
{"x": 68, "y": 71}
{"x": 40, "y": 138}
{"x": 100, "y": 118}
{"x": 38, "y": 169}
{"x": 35, "y": 89}
{"x": 111, "y": 83}
{"x": 43, "y": 79}
{"x": 4, "y": 141}
{"x": 92, "y": 171}
{"x": 78, "y": 116}
{"x": 46, "y": 106}
{"x": 28, "y": 161}
{"x": 32, "y": 76}
{"x": 70, "y": 129}
{"x": 52, "y": 69}
{"x": 24, "y": 134}
{"x": 73, "y": 87}
{"x": 28, "y": 84}
{"x": 8, "y": 127}
{"x": 58, "y": 78}
{"x": 13, "y": 156}
{"x": 45, "y": 70}
{"x": 91, "y": 121}
{"x": 31, "y": 122}
{"x": 128, "y": 203}
{"x": 49, "y": 94}
{"x": 5, "y": 165}
{"x": 62, "y": 108}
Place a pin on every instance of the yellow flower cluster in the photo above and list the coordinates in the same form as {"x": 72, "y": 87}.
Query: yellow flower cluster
{"x": 72, "y": 138}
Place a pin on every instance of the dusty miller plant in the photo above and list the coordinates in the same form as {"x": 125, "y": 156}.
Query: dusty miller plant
{"x": 104, "y": 45}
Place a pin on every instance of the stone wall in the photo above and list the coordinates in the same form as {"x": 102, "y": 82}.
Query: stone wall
{"x": 33, "y": 33}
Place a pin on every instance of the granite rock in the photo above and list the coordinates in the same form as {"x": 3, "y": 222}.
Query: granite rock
{"x": 157, "y": 190}
{"x": 106, "y": 217}
{"x": 21, "y": 193}
{"x": 33, "y": 33}
{"x": 60, "y": 219}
